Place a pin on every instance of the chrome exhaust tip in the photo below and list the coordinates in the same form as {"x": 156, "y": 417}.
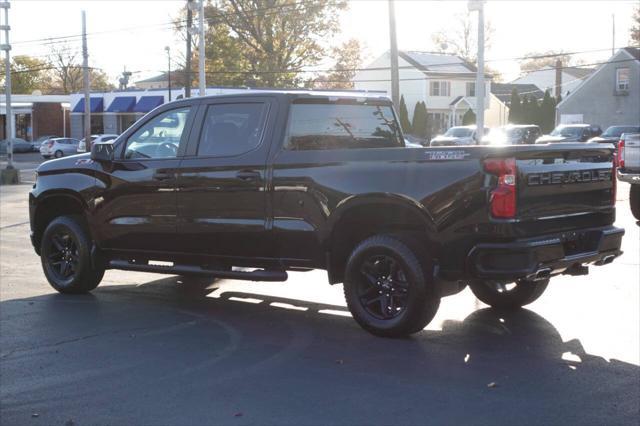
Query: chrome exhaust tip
{"x": 540, "y": 274}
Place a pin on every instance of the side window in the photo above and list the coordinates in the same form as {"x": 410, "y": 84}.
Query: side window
{"x": 159, "y": 137}
{"x": 232, "y": 129}
{"x": 321, "y": 126}
{"x": 622, "y": 79}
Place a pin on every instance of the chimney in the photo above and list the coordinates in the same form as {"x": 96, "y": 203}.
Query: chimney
{"x": 558, "y": 78}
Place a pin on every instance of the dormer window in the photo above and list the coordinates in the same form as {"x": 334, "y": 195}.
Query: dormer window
{"x": 440, "y": 88}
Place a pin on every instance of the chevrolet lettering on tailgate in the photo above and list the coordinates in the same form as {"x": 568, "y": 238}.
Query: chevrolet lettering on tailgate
{"x": 555, "y": 178}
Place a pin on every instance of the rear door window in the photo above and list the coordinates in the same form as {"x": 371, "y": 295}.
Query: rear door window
{"x": 232, "y": 129}
{"x": 324, "y": 126}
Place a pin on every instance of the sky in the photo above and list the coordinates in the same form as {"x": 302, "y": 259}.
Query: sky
{"x": 134, "y": 33}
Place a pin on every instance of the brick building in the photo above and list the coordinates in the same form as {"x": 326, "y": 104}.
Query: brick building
{"x": 36, "y": 115}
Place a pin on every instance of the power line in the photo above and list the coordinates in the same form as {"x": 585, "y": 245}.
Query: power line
{"x": 174, "y": 23}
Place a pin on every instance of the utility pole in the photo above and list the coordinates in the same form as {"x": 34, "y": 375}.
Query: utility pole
{"x": 9, "y": 175}
{"x": 558, "y": 92}
{"x": 202, "y": 81}
{"x": 395, "y": 78}
{"x": 187, "y": 84}
{"x": 478, "y": 5}
{"x": 169, "y": 69}
{"x": 613, "y": 35}
{"x": 85, "y": 78}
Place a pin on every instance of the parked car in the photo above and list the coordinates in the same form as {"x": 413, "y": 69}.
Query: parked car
{"x": 512, "y": 134}
{"x": 282, "y": 181}
{"x": 19, "y": 145}
{"x": 613, "y": 134}
{"x": 569, "y": 133}
{"x": 458, "y": 136}
{"x": 59, "y": 147}
{"x": 82, "y": 146}
{"x": 629, "y": 168}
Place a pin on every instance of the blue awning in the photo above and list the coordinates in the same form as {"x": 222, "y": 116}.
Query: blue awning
{"x": 95, "y": 105}
{"x": 122, "y": 104}
{"x": 147, "y": 103}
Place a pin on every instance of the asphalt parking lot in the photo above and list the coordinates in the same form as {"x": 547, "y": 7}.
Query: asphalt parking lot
{"x": 150, "y": 349}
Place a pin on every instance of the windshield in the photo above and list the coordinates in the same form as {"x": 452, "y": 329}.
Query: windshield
{"x": 567, "y": 131}
{"x": 459, "y": 132}
{"x": 617, "y": 131}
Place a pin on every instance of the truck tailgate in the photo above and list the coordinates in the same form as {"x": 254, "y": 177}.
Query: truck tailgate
{"x": 631, "y": 154}
{"x": 564, "y": 179}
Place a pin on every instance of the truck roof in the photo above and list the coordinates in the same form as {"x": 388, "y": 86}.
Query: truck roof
{"x": 302, "y": 93}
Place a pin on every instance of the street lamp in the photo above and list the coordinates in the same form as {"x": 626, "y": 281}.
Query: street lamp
{"x": 169, "y": 68}
{"x": 478, "y": 5}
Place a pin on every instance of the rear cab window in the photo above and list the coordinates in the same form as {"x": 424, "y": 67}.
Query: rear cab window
{"x": 316, "y": 124}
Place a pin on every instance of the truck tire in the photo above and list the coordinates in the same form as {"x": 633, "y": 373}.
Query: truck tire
{"x": 498, "y": 295}
{"x": 66, "y": 256}
{"x": 388, "y": 286}
{"x": 634, "y": 201}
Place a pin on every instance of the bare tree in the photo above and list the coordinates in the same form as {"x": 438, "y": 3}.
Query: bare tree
{"x": 67, "y": 71}
{"x": 461, "y": 38}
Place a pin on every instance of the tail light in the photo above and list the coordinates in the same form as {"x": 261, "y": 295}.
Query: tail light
{"x": 620, "y": 158}
{"x": 50, "y": 144}
{"x": 503, "y": 199}
{"x": 614, "y": 185}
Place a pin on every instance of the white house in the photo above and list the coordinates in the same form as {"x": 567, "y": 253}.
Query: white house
{"x": 545, "y": 79}
{"x": 446, "y": 83}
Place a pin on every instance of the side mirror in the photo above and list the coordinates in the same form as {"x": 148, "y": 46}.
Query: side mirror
{"x": 102, "y": 152}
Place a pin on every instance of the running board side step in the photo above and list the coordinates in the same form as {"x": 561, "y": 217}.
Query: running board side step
{"x": 256, "y": 275}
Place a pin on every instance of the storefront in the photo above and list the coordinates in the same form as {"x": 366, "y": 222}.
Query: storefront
{"x": 36, "y": 115}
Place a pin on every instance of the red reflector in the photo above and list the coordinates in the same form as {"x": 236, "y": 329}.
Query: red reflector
{"x": 620, "y": 157}
{"x": 503, "y": 199}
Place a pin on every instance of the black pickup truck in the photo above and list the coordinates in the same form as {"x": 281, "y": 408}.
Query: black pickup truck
{"x": 251, "y": 186}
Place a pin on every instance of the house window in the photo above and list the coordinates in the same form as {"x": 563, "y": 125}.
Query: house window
{"x": 440, "y": 88}
{"x": 471, "y": 89}
{"x": 622, "y": 79}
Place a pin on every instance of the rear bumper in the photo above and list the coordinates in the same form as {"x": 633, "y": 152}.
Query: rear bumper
{"x": 629, "y": 176}
{"x": 545, "y": 256}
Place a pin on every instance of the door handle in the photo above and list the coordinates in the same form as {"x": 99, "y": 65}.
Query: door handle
{"x": 163, "y": 175}
{"x": 248, "y": 175}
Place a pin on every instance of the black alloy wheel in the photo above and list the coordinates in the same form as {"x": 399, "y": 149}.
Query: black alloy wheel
{"x": 65, "y": 253}
{"x": 388, "y": 285}
{"x": 508, "y": 295}
{"x": 383, "y": 290}
{"x": 62, "y": 255}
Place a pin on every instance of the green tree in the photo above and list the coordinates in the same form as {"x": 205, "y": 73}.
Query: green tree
{"x": 348, "y": 57}
{"x": 29, "y": 74}
{"x": 420, "y": 125}
{"x": 469, "y": 117}
{"x": 280, "y": 37}
{"x": 547, "y": 113}
{"x": 514, "y": 107}
{"x": 404, "y": 117}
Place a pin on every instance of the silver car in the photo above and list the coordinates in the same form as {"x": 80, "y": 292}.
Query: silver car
{"x": 82, "y": 147}
{"x": 59, "y": 147}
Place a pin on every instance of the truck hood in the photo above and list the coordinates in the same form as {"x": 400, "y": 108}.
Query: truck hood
{"x": 80, "y": 161}
{"x": 600, "y": 139}
{"x": 443, "y": 140}
{"x": 553, "y": 139}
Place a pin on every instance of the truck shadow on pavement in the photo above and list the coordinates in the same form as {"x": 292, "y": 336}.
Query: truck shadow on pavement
{"x": 162, "y": 353}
